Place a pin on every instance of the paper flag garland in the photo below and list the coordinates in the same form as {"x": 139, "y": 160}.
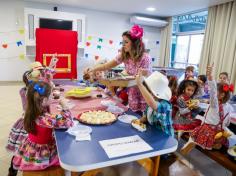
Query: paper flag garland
{"x": 4, "y": 46}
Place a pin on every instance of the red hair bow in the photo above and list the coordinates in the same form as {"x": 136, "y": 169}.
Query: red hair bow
{"x": 227, "y": 87}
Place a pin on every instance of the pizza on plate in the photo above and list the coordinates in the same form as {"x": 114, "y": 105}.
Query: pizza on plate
{"x": 139, "y": 125}
{"x": 97, "y": 117}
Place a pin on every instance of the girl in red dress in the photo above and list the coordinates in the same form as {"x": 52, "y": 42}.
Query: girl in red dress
{"x": 213, "y": 131}
{"x": 184, "y": 120}
{"x": 38, "y": 151}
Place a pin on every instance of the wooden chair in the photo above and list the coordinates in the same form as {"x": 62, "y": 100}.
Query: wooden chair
{"x": 51, "y": 171}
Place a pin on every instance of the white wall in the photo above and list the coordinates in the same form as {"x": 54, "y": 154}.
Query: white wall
{"x": 11, "y": 68}
{"x": 101, "y": 24}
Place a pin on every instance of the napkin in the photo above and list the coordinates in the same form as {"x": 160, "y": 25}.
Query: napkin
{"x": 81, "y": 132}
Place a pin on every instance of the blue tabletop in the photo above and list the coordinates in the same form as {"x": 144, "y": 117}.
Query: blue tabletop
{"x": 87, "y": 155}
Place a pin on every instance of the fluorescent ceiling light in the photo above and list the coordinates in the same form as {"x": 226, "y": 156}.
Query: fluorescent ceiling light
{"x": 151, "y": 9}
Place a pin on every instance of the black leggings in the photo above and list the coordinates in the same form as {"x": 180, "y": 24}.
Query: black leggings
{"x": 11, "y": 170}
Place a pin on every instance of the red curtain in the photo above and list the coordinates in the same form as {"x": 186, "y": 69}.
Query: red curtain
{"x": 63, "y": 43}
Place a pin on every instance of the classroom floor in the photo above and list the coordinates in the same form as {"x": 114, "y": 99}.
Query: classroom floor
{"x": 196, "y": 164}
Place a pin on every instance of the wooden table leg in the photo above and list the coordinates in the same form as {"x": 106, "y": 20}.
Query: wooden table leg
{"x": 92, "y": 172}
{"x": 151, "y": 165}
{"x": 147, "y": 164}
{"x": 156, "y": 162}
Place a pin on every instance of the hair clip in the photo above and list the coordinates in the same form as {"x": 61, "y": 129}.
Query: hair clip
{"x": 136, "y": 32}
{"x": 40, "y": 90}
{"x": 227, "y": 88}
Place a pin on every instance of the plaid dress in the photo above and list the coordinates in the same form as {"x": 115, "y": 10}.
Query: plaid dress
{"x": 184, "y": 119}
{"x": 18, "y": 133}
{"x": 204, "y": 135}
{"x": 162, "y": 117}
{"x": 216, "y": 120}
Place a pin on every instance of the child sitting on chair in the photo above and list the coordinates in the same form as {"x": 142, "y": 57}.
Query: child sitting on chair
{"x": 157, "y": 94}
{"x": 223, "y": 77}
{"x": 18, "y": 133}
{"x": 184, "y": 120}
{"x": 213, "y": 132}
{"x": 38, "y": 151}
{"x": 189, "y": 72}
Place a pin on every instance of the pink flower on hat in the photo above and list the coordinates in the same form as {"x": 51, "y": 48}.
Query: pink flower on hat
{"x": 136, "y": 32}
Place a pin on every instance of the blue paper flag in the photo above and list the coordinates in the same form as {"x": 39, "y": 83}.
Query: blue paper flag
{"x": 86, "y": 55}
{"x": 19, "y": 43}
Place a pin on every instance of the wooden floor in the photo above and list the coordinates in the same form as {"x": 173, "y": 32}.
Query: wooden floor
{"x": 174, "y": 166}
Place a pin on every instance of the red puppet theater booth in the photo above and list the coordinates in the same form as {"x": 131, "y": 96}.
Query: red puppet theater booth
{"x": 63, "y": 44}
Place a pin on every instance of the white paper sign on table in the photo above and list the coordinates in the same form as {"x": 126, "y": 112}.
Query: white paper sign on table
{"x": 124, "y": 146}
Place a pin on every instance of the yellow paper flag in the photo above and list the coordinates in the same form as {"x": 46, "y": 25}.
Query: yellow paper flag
{"x": 89, "y": 37}
{"x": 21, "y": 31}
{"x": 21, "y": 56}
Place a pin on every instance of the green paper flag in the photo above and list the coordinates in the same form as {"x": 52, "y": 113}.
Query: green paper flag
{"x": 89, "y": 37}
{"x": 100, "y": 40}
{"x": 99, "y": 47}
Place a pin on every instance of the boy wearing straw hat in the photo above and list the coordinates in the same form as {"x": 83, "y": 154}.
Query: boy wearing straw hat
{"x": 157, "y": 94}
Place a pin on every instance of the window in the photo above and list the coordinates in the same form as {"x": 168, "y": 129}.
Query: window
{"x": 187, "y": 39}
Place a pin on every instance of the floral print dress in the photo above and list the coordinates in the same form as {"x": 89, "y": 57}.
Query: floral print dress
{"x": 38, "y": 151}
{"x": 135, "y": 100}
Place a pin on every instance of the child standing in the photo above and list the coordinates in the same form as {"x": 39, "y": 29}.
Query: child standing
{"x": 157, "y": 94}
{"x": 38, "y": 150}
{"x": 185, "y": 121}
{"x": 213, "y": 132}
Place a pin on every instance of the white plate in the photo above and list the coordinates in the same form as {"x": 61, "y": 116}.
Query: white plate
{"x": 231, "y": 151}
{"x": 79, "y": 130}
{"x": 108, "y": 103}
{"x": 115, "y": 109}
{"x": 127, "y": 118}
{"x": 138, "y": 127}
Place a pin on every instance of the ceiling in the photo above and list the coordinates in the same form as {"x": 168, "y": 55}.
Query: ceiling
{"x": 163, "y": 7}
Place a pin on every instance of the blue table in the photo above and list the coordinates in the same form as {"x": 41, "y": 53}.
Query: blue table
{"x": 88, "y": 155}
